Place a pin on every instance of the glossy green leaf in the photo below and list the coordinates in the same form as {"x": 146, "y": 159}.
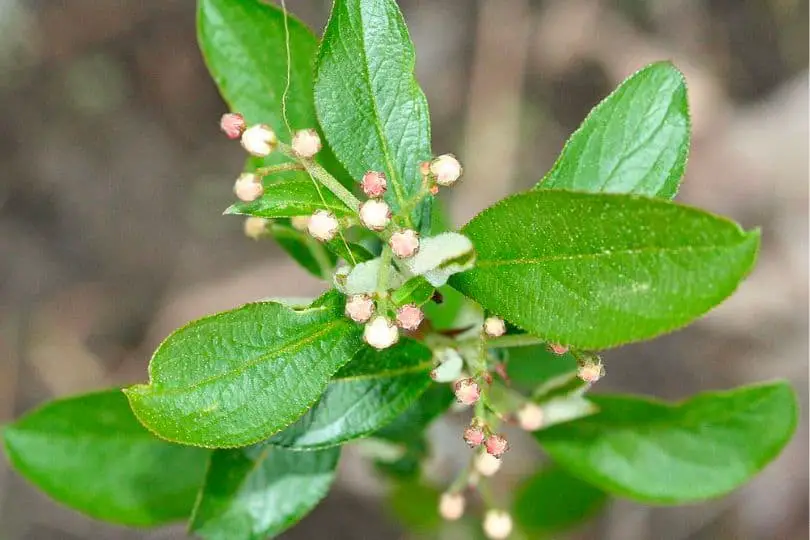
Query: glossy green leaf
{"x": 91, "y": 454}
{"x": 415, "y": 505}
{"x": 256, "y": 492}
{"x": 552, "y": 500}
{"x": 372, "y": 111}
{"x": 238, "y": 377}
{"x": 350, "y": 252}
{"x": 304, "y": 249}
{"x": 455, "y": 311}
{"x": 599, "y": 270}
{"x": 416, "y": 290}
{"x": 531, "y": 366}
{"x": 433, "y": 403}
{"x": 671, "y": 454}
{"x": 365, "y": 395}
{"x": 289, "y": 198}
{"x": 635, "y": 141}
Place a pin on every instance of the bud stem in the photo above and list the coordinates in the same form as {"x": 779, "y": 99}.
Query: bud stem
{"x": 513, "y": 340}
{"x": 320, "y": 174}
{"x": 281, "y": 167}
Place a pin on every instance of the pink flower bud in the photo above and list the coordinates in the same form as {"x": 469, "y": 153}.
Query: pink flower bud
{"x": 434, "y": 190}
{"x": 497, "y": 524}
{"x": 556, "y": 348}
{"x": 322, "y": 225}
{"x": 405, "y": 243}
{"x": 530, "y": 417}
{"x": 306, "y": 143}
{"x": 299, "y": 223}
{"x": 486, "y": 464}
{"x": 497, "y": 445}
{"x": 590, "y": 371}
{"x": 494, "y": 326}
{"x": 380, "y": 333}
{"x": 474, "y": 435}
{"x": 467, "y": 391}
{"x": 374, "y": 184}
{"x": 451, "y": 506}
{"x": 232, "y": 124}
{"x": 359, "y": 307}
{"x": 424, "y": 168}
{"x": 255, "y": 227}
{"x": 248, "y": 187}
{"x": 375, "y": 214}
{"x": 446, "y": 169}
{"x": 409, "y": 317}
{"x": 259, "y": 140}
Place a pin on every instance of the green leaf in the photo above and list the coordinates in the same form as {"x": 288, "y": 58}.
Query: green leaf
{"x": 531, "y": 366}
{"x": 635, "y": 141}
{"x": 455, "y": 311}
{"x": 365, "y": 395}
{"x": 441, "y": 256}
{"x": 433, "y": 403}
{"x": 553, "y": 501}
{"x": 89, "y": 453}
{"x": 672, "y": 454}
{"x": 350, "y": 252}
{"x": 598, "y": 270}
{"x": 415, "y": 505}
{"x": 414, "y": 291}
{"x": 289, "y": 198}
{"x": 306, "y": 251}
{"x": 235, "y": 378}
{"x": 372, "y": 111}
{"x": 256, "y": 492}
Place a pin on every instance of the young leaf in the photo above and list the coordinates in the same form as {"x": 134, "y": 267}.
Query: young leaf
{"x": 365, "y": 395}
{"x": 553, "y": 501}
{"x": 306, "y": 251}
{"x": 235, "y": 378}
{"x": 672, "y": 454}
{"x": 363, "y": 278}
{"x": 635, "y": 141}
{"x": 414, "y": 291}
{"x": 256, "y": 492}
{"x": 372, "y": 111}
{"x": 441, "y": 256}
{"x": 90, "y": 453}
{"x": 599, "y": 270}
{"x": 289, "y": 198}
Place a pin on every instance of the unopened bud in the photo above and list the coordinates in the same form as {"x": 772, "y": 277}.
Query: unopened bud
{"x": 232, "y": 124}
{"x": 424, "y": 168}
{"x": 375, "y": 214}
{"x": 591, "y": 371}
{"x": 467, "y": 391}
{"x": 530, "y": 417}
{"x": 380, "y": 333}
{"x": 259, "y": 140}
{"x": 497, "y": 524}
{"x": 374, "y": 184}
{"x": 446, "y": 169}
{"x": 299, "y": 223}
{"x": 434, "y": 190}
{"x": 248, "y": 187}
{"x": 451, "y": 506}
{"x": 306, "y": 143}
{"x": 556, "y": 348}
{"x": 255, "y": 227}
{"x": 405, "y": 243}
{"x": 409, "y": 317}
{"x": 494, "y": 326}
{"x": 486, "y": 464}
{"x": 474, "y": 435}
{"x": 359, "y": 307}
{"x": 496, "y": 445}
{"x": 322, "y": 225}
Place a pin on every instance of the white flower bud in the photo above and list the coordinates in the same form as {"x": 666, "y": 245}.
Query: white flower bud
{"x": 375, "y": 214}
{"x": 306, "y": 143}
{"x": 451, "y": 506}
{"x": 300, "y": 223}
{"x": 405, "y": 243}
{"x": 380, "y": 333}
{"x": 446, "y": 169}
{"x": 322, "y": 225}
{"x": 591, "y": 371}
{"x": 494, "y": 327}
{"x": 248, "y": 187}
{"x": 255, "y": 227}
{"x": 530, "y": 417}
{"x": 497, "y": 524}
{"x": 359, "y": 307}
{"x": 467, "y": 391}
{"x": 259, "y": 140}
{"x": 486, "y": 464}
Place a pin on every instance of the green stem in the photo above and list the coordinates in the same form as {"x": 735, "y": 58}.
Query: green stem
{"x": 382, "y": 276}
{"x": 320, "y": 174}
{"x": 515, "y": 340}
{"x": 282, "y": 167}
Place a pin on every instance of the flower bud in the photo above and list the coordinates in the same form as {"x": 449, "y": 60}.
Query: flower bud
{"x": 322, "y": 225}
{"x": 359, "y": 307}
{"x": 467, "y": 391}
{"x": 556, "y": 348}
{"x": 405, "y": 243}
{"x": 306, "y": 143}
{"x": 374, "y": 184}
{"x": 232, "y": 124}
{"x": 259, "y": 140}
{"x": 248, "y": 187}
{"x": 474, "y": 435}
{"x": 451, "y": 506}
{"x": 255, "y": 227}
{"x": 496, "y": 445}
{"x": 591, "y": 371}
{"x": 409, "y": 317}
{"x": 497, "y": 524}
{"x": 530, "y": 417}
{"x": 486, "y": 464}
{"x": 380, "y": 333}
{"x": 299, "y": 223}
{"x": 424, "y": 168}
{"x": 446, "y": 169}
{"x": 494, "y": 326}
{"x": 375, "y": 214}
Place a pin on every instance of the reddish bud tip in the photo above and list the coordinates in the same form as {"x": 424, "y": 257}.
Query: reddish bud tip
{"x": 556, "y": 348}
{"x": 232, "y": 124}
{"x": 496, "y": 445}
{"x": 467, "y": 391}
{"x": 474, "y": 435}
{"x": 373, "y": 184}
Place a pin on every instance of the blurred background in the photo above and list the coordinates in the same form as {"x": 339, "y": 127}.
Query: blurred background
{"x": 114, "y": 176}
